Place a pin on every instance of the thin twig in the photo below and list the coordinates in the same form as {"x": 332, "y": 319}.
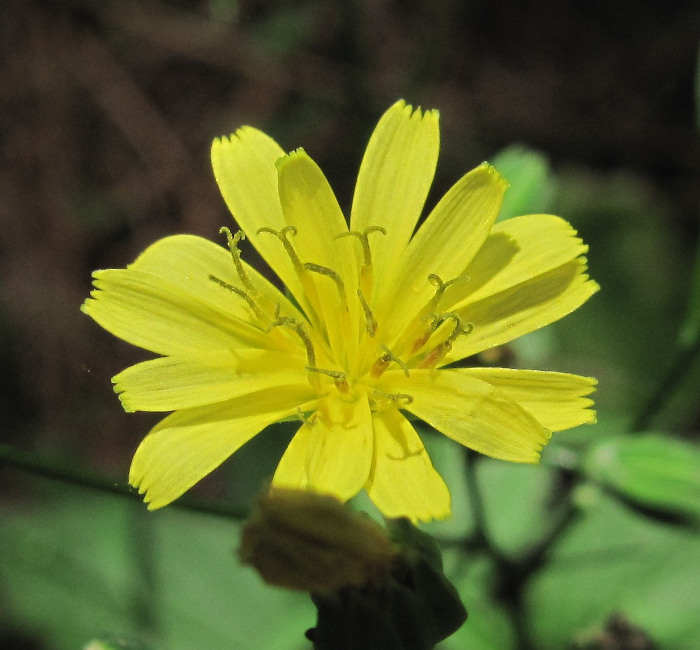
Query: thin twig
{"x": 33, "y": 464}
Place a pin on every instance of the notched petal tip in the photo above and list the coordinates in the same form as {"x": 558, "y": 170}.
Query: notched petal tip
{"x": 493, "y": 175}
{"x": 146, "y": 493}
{"x": 152, "y": 505}
{"x": 592, "y": 383}
{"x": 86, "y": 306}
{"x": 124, "y": 400}
{"x": 411, "y": 112}
{"x": 221, "y": 145}
{"x": 226, "y": 140}
{"x": 282, "y": 161}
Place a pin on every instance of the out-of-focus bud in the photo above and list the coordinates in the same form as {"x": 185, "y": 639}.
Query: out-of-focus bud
{"x": 373, "y": 589}
{"x": 413, "y": 607}
{"x": 312, "y": 542}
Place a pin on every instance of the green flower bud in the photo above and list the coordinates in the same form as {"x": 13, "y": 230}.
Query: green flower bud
{"x": 312, "y": 542}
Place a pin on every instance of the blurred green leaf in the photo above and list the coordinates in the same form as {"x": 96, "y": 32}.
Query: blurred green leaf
{"x": 115, "y": 644}
{"x": 615, "y": 562}
{"x": 531, "y": 182}
{"x": 653, "y": 470}
{"x": 518, "y": 503}
{"x": 64, "y": 571}
{"x": 641, "y": 262}
{"x": 80, "y": 565}
{"x": 206, "y": 599}
{"x": 448, "y": 458}
{"x": 488, "y": 627}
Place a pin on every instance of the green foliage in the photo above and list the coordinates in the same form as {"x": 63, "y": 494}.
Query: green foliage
{"x": 652, "y": 470}
{"x": 83, "y": 565}
{"x": 615, "y": 562}
{"x": 532, "y": 184}
{"x": 489, "y": 626}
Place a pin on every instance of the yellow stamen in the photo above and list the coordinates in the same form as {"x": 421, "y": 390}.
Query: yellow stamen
{"x": 428, "y": 313}
{"x": 339, "y": 378}
{"x": 381, "y": 364}
{"x": 324, "y": 270}
{"x": 312, "y": 306}
{"x": 441, "y": 349}
{"x": 236, "y": 256}
{"x": 384, "y": 400}
{"x": 366, "y": 275}
{"x": 370, "y": 320}
{"x": 307, "y": 421}
{"x": 255, "y": 308}
{"x": 440, "y": 288}
{"x": 282, "y": 236}
{"x": 299, "y": 329}
{"x": 364, "y": 240}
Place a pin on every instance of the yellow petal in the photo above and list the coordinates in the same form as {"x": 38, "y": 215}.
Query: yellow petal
{"x": 291, "y": 471}
{"x": 403, "y": 482}
{"x": 333, "y": 453}
{"x": 558, "y": 400}
{"x": 517, "y": 250}
{"x": 162, "y": 317}
{"x": 444, "y": 245}
{"x": 173, "y": 383}
{"x": 522, "y": 309}
{"x": 395, "y": 176}
{"x": 472, "y": 412}
{"x": 190, "y": 262}
{"x": 244, "y": 167}
{"x": 310, "y": 206}
{"x": 187, "y": 445}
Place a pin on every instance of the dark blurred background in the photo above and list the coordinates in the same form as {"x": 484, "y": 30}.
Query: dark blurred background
{"x": 108, "y": 109}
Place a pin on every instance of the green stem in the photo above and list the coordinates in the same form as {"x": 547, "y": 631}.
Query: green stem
{"x": 514, "y": 574}
{"x": 674, "y": 376}
{"x": 480, "y": 537}
{"x": 33, "y": 464}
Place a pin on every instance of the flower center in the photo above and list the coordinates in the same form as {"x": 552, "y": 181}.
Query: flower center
{"x": 343, "y": 341}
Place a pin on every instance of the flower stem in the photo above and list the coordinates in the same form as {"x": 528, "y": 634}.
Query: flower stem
{"x": 38, "y": 466}
{"x": 682, "y": 363}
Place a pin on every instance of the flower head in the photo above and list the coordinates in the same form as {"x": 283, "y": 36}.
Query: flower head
{"x": 376, "y": 316}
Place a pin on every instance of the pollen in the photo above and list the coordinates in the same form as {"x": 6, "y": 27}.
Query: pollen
{"x": 382, "y": 363}
{"x": 441, "y": 349}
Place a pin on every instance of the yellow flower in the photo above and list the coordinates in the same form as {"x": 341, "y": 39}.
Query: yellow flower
{"x": 376, "y": 316}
